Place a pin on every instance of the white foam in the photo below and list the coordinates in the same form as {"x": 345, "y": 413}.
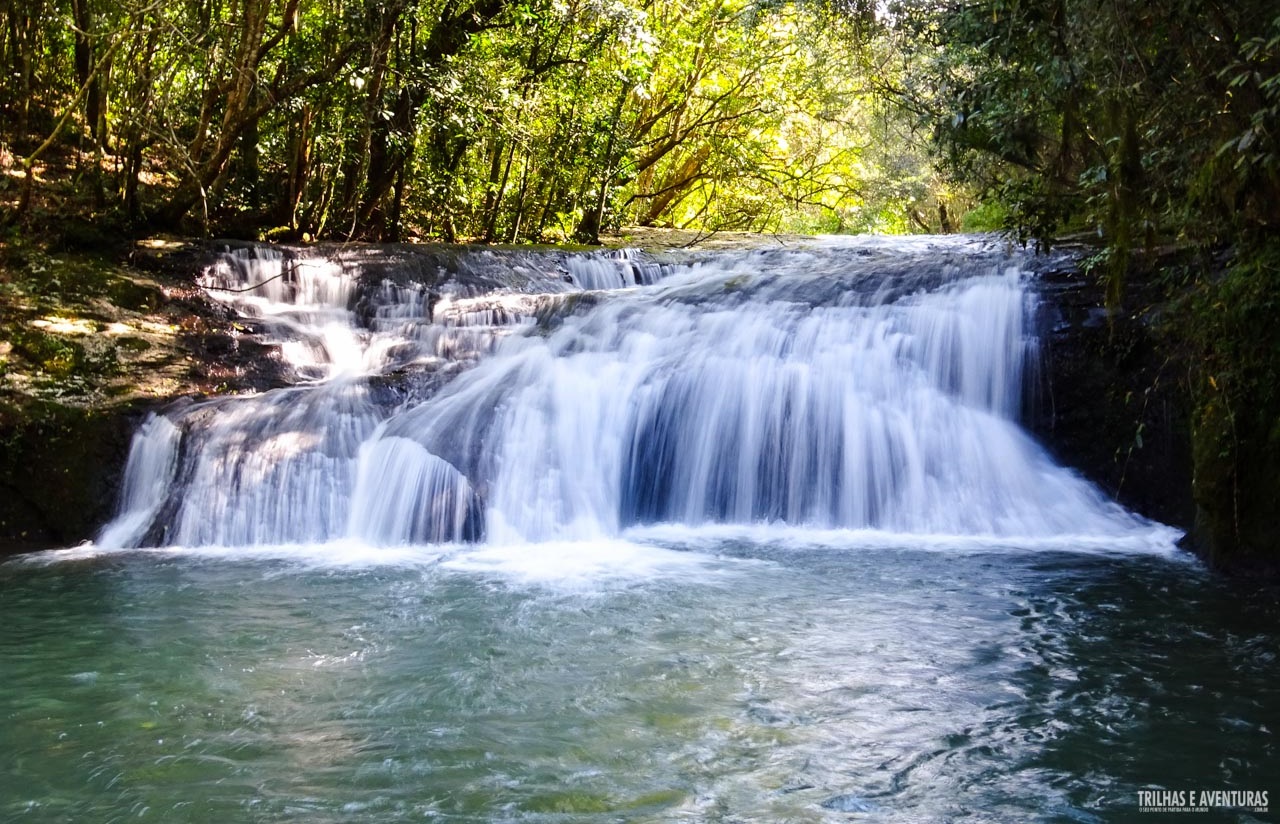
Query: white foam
{"x": 1141, "y": 538}
{"x": 568, "y": 566}
{"x": 583, "y": 565}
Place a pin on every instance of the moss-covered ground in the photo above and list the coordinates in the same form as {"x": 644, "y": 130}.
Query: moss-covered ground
{"x": 90, "y": 340}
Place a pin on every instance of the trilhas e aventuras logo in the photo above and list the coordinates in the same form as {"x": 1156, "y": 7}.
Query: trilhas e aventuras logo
{"x": 1201, "y": 801}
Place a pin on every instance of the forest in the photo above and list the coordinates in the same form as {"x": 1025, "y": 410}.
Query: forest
{"x": 547, "y": 120}
{"x": 1149, "y": 131}
{"x": 497, "y": 120}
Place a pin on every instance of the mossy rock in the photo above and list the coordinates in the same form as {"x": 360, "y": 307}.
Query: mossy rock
{"x": 132, "y": 295}
{"x": 1237, "y": 485}
{"x": 62, "y": 358}
{"x": 1236, "y": 439}
{"x": 56, "y": 355}
{"x": 60, "y": 469}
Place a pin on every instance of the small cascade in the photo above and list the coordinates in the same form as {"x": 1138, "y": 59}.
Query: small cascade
{"x": 148, "y": 477}
{"x": 863, "y": 385}
{"x": 431, "y": 502}
{"x": 276, "y": 468}
{"x": 615, "y": 270}
{"x": 304, "y": 301}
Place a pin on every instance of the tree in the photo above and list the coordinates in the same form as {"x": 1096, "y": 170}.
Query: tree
{"x": 1141, "y": 122}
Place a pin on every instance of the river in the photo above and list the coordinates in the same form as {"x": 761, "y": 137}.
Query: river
{"x": 739, "y": 537}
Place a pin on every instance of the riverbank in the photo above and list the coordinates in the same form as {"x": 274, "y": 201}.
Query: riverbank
{"x": 91, "y": 340}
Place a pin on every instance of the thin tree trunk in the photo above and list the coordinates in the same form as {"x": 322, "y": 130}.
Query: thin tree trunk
{"x": 588, "y": 230}
{"x": 299, "y": 165}
{"x": 520, "y": 199}
{"x": 491, "y": 195}
{"x": 393, "y": 230}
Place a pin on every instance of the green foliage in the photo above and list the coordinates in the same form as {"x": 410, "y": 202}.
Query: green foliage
{"x": 55, "y": 355}
{"x": 1146, "y": 124}
{"x": 502, "y": 120}
{"x": 989, "y": 216}
{"x": 1239, "y": 341}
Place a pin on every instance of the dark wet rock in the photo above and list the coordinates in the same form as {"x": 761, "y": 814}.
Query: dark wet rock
{"x": 1109, "y": 399}
{"x": 227, "y": 359}
{"x": 60, "y": 470}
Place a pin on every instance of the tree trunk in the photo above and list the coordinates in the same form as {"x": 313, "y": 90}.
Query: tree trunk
{"x": 23, "y": 67}
{"x": 244, "y": 106}
{"x": 392, "y": 140}
{"x": 588, "y": 230}
{"x": 491, "y": 194}
{"x": 358, "y": 169}
{"x": 392, "y": 233}
{"x": 299, "y": 167}
{"x": 674, "y": 185}
{"x": 133, "y": 169}
{"x": 518, "y": 219}
{"x": 249, "y": 167}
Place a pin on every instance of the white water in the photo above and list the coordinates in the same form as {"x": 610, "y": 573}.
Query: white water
{"x": 865, "y": 388}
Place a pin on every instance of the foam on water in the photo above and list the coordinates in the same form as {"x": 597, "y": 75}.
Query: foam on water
{"x": 769, "y": 539}
{"x": 585, "y": 565}
{"x": 563, "y": 567}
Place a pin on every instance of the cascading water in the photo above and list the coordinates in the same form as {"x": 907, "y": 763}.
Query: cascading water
{"x": 504, "y": 397}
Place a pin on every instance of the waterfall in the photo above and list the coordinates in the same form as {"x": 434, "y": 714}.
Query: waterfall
{"x": 524, "y": 397}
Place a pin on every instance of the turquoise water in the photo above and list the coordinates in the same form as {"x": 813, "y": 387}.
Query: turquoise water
{"x": 722, "y": 679}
